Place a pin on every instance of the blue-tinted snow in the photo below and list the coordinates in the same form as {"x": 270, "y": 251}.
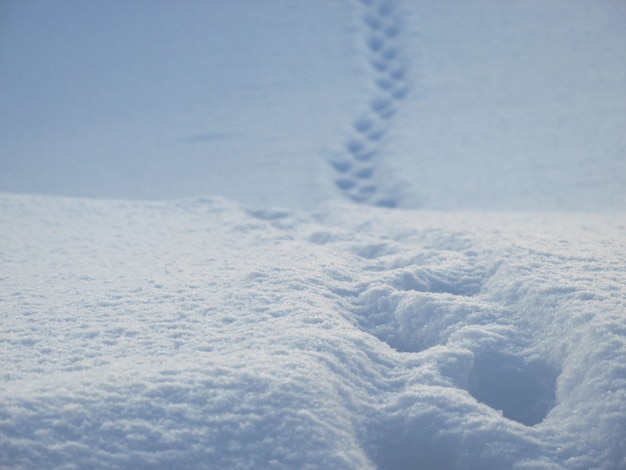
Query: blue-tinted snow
{"x": 300, "y": 322}
{"x": 198, "y": 334}
{"x": 442, "y": 105}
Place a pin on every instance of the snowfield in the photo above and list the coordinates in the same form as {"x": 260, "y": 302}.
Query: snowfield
{"x": 397, "y": 241}
{"x": 198, "y": 334}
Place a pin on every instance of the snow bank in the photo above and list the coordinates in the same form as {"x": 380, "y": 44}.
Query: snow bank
{"x": 199, "y": 334}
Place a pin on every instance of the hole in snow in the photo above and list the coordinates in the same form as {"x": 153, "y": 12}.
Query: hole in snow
{"x": 524, "y": 391}
{"x": 387, "y": 202}
{"x": 345, "y": 183}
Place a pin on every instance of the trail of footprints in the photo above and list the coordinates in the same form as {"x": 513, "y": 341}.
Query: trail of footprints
{"x": 355, "y": 167}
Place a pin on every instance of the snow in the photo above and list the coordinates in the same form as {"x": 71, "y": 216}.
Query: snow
{"x": 197, "y": 333}
{"x": 279, "y": 234}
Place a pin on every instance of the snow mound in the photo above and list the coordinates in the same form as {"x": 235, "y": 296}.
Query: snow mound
{"x": 201, "y": 334}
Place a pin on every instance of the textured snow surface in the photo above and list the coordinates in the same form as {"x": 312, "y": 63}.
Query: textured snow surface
{"x": 368, "y": 234}
{"x": 199, "y": 334}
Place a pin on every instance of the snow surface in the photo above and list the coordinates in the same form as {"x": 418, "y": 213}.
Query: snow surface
{"x": 196, "y": 333}
{"x": 278, "y": 234}
{"x": 478, "y": 104}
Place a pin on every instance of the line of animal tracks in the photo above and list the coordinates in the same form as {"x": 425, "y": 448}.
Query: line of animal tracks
{"x": 356, "y": 165}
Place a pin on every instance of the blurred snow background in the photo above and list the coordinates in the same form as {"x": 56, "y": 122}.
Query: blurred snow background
{"x": 200, "y": 266}
{"x": 499, "y": 105}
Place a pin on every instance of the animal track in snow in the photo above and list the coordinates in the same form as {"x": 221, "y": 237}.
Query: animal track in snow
{"x": 355, "y": 166}
{"x": 418, "y": 305}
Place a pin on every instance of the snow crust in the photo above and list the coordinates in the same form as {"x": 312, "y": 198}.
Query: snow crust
{"x": 196, "y": 333}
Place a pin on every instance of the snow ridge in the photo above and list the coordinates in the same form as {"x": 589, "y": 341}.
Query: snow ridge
{"x": 355, "y": 168}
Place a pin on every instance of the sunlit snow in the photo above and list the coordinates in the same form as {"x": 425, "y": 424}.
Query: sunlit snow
{"x": 320, "y": 234}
